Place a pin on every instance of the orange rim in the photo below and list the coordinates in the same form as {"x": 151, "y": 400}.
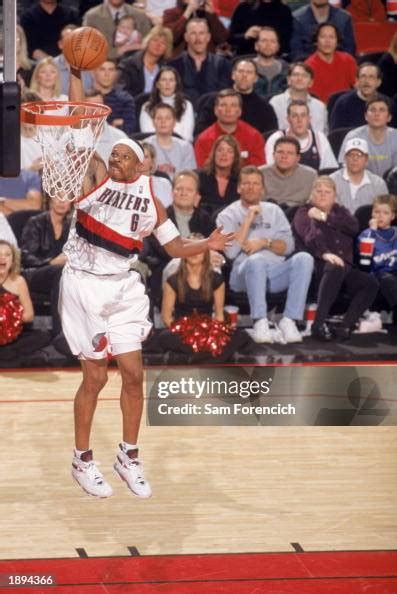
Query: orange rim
{"x": 31, "y": 113}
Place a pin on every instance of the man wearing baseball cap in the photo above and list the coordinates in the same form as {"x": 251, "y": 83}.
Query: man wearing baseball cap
{"x": 355, "y": 185}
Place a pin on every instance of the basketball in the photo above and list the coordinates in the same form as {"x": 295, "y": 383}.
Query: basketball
{"x": 85, "y": 48}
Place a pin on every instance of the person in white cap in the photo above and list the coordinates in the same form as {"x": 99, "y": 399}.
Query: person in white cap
{"x": 103, "y": 305}
{"x": 355, "y": 184}
{"x": 380, "y": 136}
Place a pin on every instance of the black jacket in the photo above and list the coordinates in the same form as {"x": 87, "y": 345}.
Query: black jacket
{"x": 38, "y": 242}
{"x": 131, "y": 73}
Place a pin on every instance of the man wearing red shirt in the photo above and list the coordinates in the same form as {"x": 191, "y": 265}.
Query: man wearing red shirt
{"x": 333, "y": 70}
{"x": 228, "y": 112}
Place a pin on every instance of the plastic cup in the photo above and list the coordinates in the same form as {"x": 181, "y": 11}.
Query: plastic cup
{"x": 231, "y": 312}
{"x": 366, "y": 249}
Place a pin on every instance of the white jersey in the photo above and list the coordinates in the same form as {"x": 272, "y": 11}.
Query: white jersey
{"x": 109, "y": 225}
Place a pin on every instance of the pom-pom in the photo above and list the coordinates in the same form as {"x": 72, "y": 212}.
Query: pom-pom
{"x": 11, "y": 323}
{"x": 202, "y": 333}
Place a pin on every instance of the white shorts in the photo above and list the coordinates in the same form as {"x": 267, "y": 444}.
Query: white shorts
{"x": 102, "y": 314}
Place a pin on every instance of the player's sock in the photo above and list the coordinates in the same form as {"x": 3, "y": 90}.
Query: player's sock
{"x": 78, "y": 453}
{"x": 128, "y": 446}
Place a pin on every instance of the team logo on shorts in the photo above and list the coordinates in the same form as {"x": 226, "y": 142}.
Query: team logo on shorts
{"x": 99, "y": 342}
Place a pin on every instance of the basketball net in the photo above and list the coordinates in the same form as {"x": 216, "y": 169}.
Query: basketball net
{"x": 67, "y": 133}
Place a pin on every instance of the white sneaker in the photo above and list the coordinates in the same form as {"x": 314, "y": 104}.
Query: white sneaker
{"x": 262, "y": 332}
{"x": 289, "y": 330}
{"x": 130, "y": 469}
{"x": 88, "y": 476}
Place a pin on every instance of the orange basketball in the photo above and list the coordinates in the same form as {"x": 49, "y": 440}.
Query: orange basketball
{"x": 85, "y": 48}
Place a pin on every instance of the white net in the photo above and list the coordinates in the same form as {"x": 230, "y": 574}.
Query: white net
{"x": 67, "y": 133}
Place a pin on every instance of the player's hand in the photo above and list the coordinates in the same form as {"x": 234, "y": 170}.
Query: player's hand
{"x": 218, "y": 240}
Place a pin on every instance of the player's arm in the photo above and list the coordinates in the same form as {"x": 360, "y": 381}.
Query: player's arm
{"x": 97, "y": 170}
{"x": 76, "y": 90}
{"x": 177, "y": 247}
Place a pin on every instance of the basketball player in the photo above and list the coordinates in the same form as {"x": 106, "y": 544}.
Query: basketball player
{"x": 103, "y": 304}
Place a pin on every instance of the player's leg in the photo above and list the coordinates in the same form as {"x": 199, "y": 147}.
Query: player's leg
{"x": 84, "y": 469}
{"x": 127, "y": 464}
{"x": 94, "y": 379}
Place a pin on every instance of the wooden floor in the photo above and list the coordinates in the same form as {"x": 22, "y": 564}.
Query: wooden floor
{"x": 216, "y": 489}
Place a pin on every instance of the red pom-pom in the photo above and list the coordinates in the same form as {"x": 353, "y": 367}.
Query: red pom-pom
{"x": 11, "y": 312}
{"x": 202, "y": 333}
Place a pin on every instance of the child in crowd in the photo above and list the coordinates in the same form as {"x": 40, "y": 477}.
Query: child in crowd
{"x": 384, "y": 258}
{"x": 126, "y": 37}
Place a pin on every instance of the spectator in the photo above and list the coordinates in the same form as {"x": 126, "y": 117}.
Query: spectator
{"x": 196, "y": 289}
{"x": 250, "y": 15}
{"x": 155, "y": 9}
{"x": 20, "y": 340}
{"x": 21, "y": 192}
{"x": 384, "y": 263}
{"x": 31, "y": 153}
{"x": 11, "y": 281}
{"x": 391, "y": 181}
{"x": 200, "y": 70}
{"x": 43, "y": 23}
{"x": 388, "y": 67}
{"x": 228, "y": 109}
{"x": 43, "y": 238}
{"x": 316, "y": 151}
{"x": 256, "y": 111}
{"x": 23, "y": 63}
{"x": 286, "y": 181}
{"x": 138, "y": 71}
{"x": 272, "y": 70}
{"x": 187, "y": 215}
{"x": 355, "y": 185}
{"x": 173, "y": 154}
{"x": 300, "y": 80}
{"x": 333, "y": 70}
{"x": 225, "y": 10}
{"x": 6, "y": 233}
{"x": 349, "y": 108}
{"x": 126, "y": 37}
{"x": 327, "y": 230}
{"x": 108, "y": 134}
{"x": 106, "y": 16}
{"x": 162, "y": 187}
{"x": 64, "y": 67}
{"x": 381, "y": 139}
{"x": 176, "y": 19}
{"x": 46, "y": 81}
{"x": 219, "y": 176}
{"x": 263, "y": 241}
{"x": 122, "y": 104}
{"x": 167, "y": 88}
{"x": 309, "y": 17}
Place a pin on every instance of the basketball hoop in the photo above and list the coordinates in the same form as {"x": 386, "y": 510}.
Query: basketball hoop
{"x": 67, "y": 132}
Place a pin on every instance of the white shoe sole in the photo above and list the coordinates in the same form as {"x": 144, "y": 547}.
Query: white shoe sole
{"x": 263, "y": 341}
{"x": 118, "y": 471}
{"x": 88, "y": 492}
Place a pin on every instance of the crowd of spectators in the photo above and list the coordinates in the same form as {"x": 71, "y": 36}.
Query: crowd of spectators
{"x": 251, "y": 116}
